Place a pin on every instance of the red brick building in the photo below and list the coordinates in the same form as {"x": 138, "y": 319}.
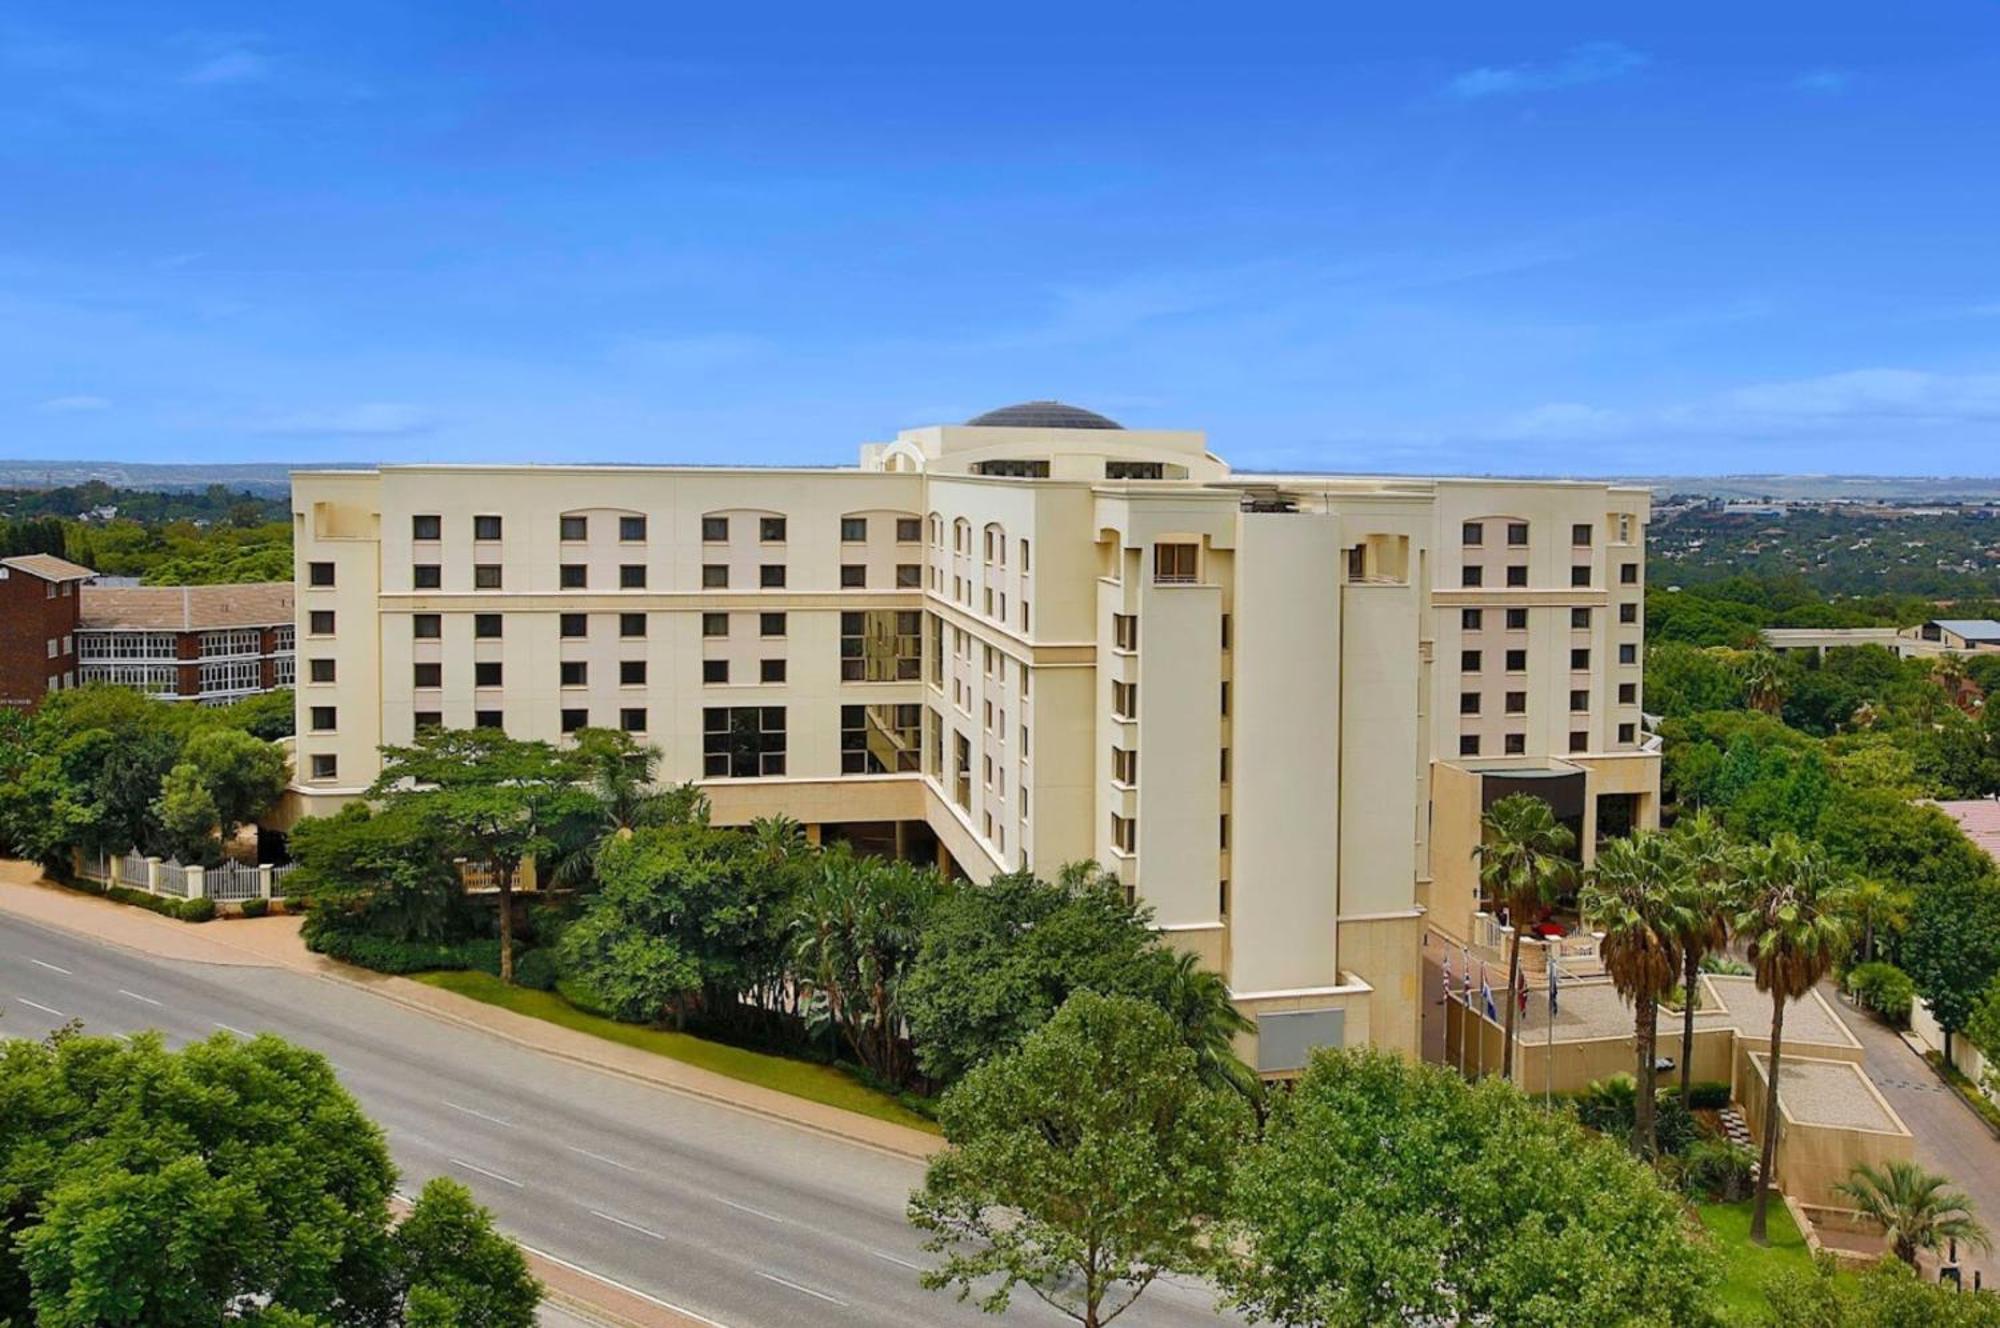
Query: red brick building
{"x": 39, "y": 603}
{"x": 209, "y": 644}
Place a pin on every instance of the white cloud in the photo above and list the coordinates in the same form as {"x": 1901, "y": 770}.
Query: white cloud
{"x": 80, "y": 404}
{"x": 1592, "y": 62}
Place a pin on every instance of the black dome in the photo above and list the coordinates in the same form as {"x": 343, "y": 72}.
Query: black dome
{"x": 1042, "y": 415}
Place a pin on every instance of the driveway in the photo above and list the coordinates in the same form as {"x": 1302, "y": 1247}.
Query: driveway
{"x": 1951, "y": 1139}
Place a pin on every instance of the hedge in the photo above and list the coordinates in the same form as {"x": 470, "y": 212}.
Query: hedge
{"x": 387, "y": 955}
{"x": 1883, "y": 988}
{"x": 1708, "y": 1095}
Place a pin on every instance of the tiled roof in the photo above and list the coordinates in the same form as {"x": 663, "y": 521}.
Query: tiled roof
{"x": 48, "y": 567}
{"x": 185, "y": 608}
{"x": 1979, "y": 818}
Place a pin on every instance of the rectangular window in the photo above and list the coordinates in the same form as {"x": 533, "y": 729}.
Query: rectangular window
{"x": 909, "y": 576}
{"x": 1628, "y": 574}
{"x": 1357, "y": 563}
{"x": 1517, "y": 575}
{"x": 1174, "y": 564}
{"x": 879, "y": 739}
{"x": 1125, "y": 631}
{"x": 881, "y": 645}
{"x": 320, "y": 622}
{"x": 575, "y": 625}
{"x": 632, "y": 719}
{"x": 1224, "y": 762}
{"x": 715, "y": 530}
{"x": 631, "y": 672}
{"x": 1517, "y": 620}
{"x": 909, "y": 530}
{"x": 715, "y": 576}
{"x": 323, "y": 718}
{"x": 486, "y": 673}
{"x": 1579, "y": 534}
{"x": 1579, "y": 658}
{"x": 1472, "y": 532}
{"x": 742, "y": 742}
{"x": 1468, "y": 703}
{"x": 318, "y": 574}
{"x": 426, "y": 675}
{"x": 1124, "y": 766}
{"x": 574, "y": 576}
{"x": 770, "y": 624}
{"x": 715, "y": 670}
{"x": 575, "y": 673}
{"x": 427, "y": 719}
{"x": 853, "y": 529}
{"x": 1579, "y": 576}
{"x": 1628, "y": 612}
{"x": 486, "y": 527}
{"x": 574, "y": 529}
{"x": 1469, "y": 661}
{"x": 1627, "y": 733}
{"x": 1628, "y": 693}
{"x": 1517, "y": 661}
{"x": 771, "y": 529}
{"x": 1514, "y": 744}
{"x": 632, "y": 576}
{"x": 488, "y": 719}
{"x": 426, "y": 576}
{"x": 1472, "y": 576}
{"x": 426, "y": 626}
{"x": 325, "y": 766}
{"x": 1125, "y": 700}
{"x": 771, "y": 576}
{"x": 1124, "y": 833}
{"x": 1579, "y": 619}
{"x": 1468, "y": 744}
{"x": 631, "y": 626}
{"x": 486, "y": 576}
{"x": 853, "y": 576}
{"x": 1579, "y": 701}
{"x": 1628, "y": 654}
{"x": 426, "y": 527}
{"x": 572, "y": 720}
{"x": 1228, "y": 631}
{"x": 1471, "y": 620}
{"x": 715, "y": 624}
{"x": 486, "y": 626}
{"x": 1517, "y": 703}
{"x": 631, "y": 529}
{"x": 1517, "y": 534}
{"x": 321, "y": 670}
{"x": 1225, "y": 699}
{"x": 1579, "y": 741}
{"x": 771, "y": 670}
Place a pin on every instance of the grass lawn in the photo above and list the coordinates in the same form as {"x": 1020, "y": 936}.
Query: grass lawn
{"x": 1745, "y": 1267}
{"x": 815, "y": 1083}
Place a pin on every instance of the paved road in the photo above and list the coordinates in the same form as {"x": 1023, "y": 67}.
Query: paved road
{"x": 732, "y": 1216}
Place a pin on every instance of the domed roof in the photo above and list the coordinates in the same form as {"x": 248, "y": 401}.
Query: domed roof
{"x": 1042, "y": 415}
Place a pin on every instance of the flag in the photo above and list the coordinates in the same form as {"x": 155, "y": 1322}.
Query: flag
{"x": 1523, "y": 994}
{"x": 1553, "y": 968}
{"x": 1466, "y": 955}
{"x": 1447, "y": 975}
{"x": 1486, "y": 995}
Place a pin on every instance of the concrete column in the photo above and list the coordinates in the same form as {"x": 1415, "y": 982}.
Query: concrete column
{"x": 264, "y": 882}
{"x": 197, "y": 883}
{"x": 152, "y": 876}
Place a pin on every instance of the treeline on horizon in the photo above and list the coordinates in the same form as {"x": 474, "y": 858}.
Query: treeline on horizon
{"x": 206, "y": 537}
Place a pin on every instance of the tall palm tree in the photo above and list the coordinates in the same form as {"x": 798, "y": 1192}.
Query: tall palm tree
{"x": 1764, "y": 681}
{"x": 1523, "y": 861}
{"x": 1706, "y": 884}
{"x": 1793, "y": 918}
{"x": 1876, "y": 906}
{"x": 1915, "y": 1209}
{"x": 1631, "y": 896}
{"x": 1197, "y": 999}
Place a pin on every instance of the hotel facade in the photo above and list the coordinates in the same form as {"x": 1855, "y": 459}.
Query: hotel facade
{"x": 1273, "y": 705}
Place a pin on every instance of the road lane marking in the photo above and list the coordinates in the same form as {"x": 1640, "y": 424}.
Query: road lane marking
{"x": 231, "y": 1028}
{"x": 783, "y": 1282}
{"x": 599, "y": 1157}
{"x": 754, "y": 1212}
{"x": 137, "y": 997}
{"x": 494, "y": 1175}
{"x": 470, "y": 1112}
{"x": 616, "y": 1285}
{"x": 903, "y": 1263}
{"x": 36, "y": 1005}
{"x": 53, "y": 968}
{"x": 629, "y": 1226}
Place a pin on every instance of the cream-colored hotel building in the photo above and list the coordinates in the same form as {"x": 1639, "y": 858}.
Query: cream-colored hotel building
{"x": 1274, "y": 705}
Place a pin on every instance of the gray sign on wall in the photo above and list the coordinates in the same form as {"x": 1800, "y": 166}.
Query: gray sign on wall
{"x": 1286, "y": 1040}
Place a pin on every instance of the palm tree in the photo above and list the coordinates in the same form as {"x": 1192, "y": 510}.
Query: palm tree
{"x": 1915, "y": 1209}
{"x": 1631, "y": 897}
{"x": 1764, "y": 681}
{"x": 1876, "y": 906}
{"x": 1197, "y": 999}
{"x": 1523, "y": 861}
{"x": 1793, "y": 918}
{"x": 1706, "y": 888}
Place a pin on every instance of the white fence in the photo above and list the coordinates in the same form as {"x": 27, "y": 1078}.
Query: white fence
{"x": 231, "y": 883}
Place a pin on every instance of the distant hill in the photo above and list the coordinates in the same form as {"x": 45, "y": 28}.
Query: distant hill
{"x": 259, "y": 478}
{"x": 1889, "y": 488}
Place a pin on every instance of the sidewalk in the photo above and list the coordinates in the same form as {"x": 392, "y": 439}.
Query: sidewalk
{"x": 274, "y": 942}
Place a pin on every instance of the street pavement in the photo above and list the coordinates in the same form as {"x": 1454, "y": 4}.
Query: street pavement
{"x": 722, "y": 1214}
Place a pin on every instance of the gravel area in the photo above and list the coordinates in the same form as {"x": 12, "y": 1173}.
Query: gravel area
{"x": 1807, "y": 1020}
{"x": 1828, "y": 1093}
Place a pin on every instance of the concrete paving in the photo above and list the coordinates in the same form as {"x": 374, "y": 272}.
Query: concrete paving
{"x": 702, "y": 1211}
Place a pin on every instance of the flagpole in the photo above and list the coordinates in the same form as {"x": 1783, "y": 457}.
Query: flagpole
{"x": 1549, "y": 1049}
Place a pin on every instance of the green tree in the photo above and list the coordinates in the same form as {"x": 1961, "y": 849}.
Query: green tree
{"x": 1633, "y": 896}
{"x": 1706, "y": 886}
{"x": 455, "y": 1270}
{"x": 1083, "y": 1165}
{"x": 187, "y": 814}
{"x": 1917, "y": 1210}
{"x": 1389, "y": 1193}
{"x": 244, "y": 775}
{"x": 389, "y": 872}
{"x": 1685, "y": 680}
{"x": 1523, "y": 858}
{"x": 1876, "y": 906}
{"x": 1792, "y": 923}
{"x": 1766, "y": 681}
{"x": 1952, "y": 948}
{"x": 495, "y": 800}
{"x": 1888, "y": 1295}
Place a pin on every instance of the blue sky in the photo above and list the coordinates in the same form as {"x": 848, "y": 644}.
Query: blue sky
{"x": 1525, "y": 238}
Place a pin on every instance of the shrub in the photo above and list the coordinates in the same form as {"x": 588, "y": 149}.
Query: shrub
{"x": 1718, "y": 1170}
{"x": 579, "y": 994}
{"x": 196, "y": 910}
{"x": 387, "y": 955}
{"x": 1726, "y": 965}
{"x": 537, "y": 968}
{"x": 1883, "y": 988}
{"x": 256, "y": 908}
{"x": 1608, "y": 1107}
{"x": 1708, "y": 1095}
{"x": 187, "y": 910}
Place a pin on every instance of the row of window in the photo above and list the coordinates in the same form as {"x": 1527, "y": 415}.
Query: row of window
{"x": 426, "y": 527}
{"x": 1472, "y": 574}
{"x": 1473, "y": 533}
{"x": 1516, "y": 744}
{"x": 1472, "y": 661}
{"x": 1516, "y": 703}
{"x": 1473, "y": 620}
